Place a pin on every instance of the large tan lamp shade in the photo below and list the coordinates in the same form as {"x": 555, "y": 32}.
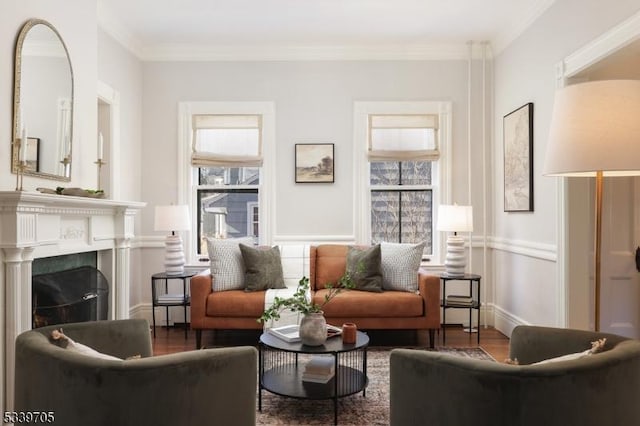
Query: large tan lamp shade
{"x": 454, "y": 218}
{"x": 595, "y": 132}
{"x": 172, "y": 219}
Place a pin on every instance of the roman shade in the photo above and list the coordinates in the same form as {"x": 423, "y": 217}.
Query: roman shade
{"x": 406, "y": 137}
{"x": 226, "y": 140}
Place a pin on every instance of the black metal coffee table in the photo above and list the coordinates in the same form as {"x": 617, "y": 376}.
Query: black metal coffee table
{"x": 281, "y": 365}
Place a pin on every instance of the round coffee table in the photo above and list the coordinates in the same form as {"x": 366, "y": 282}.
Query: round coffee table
{"x": 281, "y": 365}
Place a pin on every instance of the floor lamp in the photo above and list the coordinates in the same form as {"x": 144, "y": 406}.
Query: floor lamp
{"x": 595, "y": 132}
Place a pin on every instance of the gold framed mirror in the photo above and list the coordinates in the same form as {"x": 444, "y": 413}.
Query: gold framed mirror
{"x": 42, "y": 102}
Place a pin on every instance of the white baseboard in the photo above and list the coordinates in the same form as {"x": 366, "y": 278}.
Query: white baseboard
{"x": 461, "y": 316}
{"x": 143, "y": 310}
{"x": 505, "y": 322}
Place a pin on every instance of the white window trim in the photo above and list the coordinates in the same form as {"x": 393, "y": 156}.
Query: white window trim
{"x": 187, "y": 175}
{"x": 251, "y": 206}
{"x": 442, "y": 177}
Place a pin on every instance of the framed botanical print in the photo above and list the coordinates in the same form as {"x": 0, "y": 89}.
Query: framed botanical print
{"x": 518, "y": 159}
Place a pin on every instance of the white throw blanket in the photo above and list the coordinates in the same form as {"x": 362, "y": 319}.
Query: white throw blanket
{"x": 287, "y": 316}
{"x": 295, "y": 265}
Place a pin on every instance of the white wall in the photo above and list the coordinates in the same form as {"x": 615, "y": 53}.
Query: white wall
{"x": 526, "y": 285}
{"x": 94, "y": 56}
{"x": 75, "y": 20}
{"x": 313, "y": 103}
{"x": 122, "y": 72}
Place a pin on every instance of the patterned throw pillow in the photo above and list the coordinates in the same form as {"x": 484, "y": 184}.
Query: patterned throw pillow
{"x": 227, "y": 266}
{"x": 400, "y": 264}
{"x": 262, "y": 268}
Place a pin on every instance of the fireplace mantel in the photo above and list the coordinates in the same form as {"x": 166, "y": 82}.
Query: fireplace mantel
{"x": 34, "y": 225}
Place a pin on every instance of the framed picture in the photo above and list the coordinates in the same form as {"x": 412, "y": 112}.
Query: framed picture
{"x": 32, "y": 156}
{"x": 314, "y": 163}
{"x": 518, "y": 159}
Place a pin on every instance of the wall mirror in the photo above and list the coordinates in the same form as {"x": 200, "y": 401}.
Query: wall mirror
{"x": 43, "y": 102}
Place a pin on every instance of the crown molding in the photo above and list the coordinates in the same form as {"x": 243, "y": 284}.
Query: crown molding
{"x": 512, "y": 32}
{"x": 176, "y": 52}
{"x": 110, "y": 24}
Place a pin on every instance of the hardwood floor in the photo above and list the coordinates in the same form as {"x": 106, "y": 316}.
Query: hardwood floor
{"x": 171, "y": 340}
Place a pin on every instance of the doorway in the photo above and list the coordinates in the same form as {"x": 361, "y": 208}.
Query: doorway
{"x": 620, "y": 280}
{"x": 109, "y": 131}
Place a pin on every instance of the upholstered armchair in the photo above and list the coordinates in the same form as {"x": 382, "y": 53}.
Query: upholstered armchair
{"x": 203, "y": 387}
{"x": 599, "y": 389}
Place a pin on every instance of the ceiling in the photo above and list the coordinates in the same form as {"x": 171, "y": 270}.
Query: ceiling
{"x": 268, "y": 29}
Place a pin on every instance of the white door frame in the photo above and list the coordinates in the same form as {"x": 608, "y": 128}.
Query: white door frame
{"x": 111, "y": 97}
{"x": 603, "y": 46}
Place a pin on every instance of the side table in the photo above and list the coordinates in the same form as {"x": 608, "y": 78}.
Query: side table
{"x": 160, "y": 295}
{"x": 472, "y": 303}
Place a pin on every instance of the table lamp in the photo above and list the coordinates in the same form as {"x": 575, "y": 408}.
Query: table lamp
{"x": 454, "y": 218}
{"x": 173, "y": 218}
{"x": 595, "y": 132}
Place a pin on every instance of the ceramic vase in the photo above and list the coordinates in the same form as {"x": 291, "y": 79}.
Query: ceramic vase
{"x": 349, "y": 333}
{"x": 313, "y": 329}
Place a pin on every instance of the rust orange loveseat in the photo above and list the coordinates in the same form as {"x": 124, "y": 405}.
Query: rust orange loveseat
{"x": 389, "y": 309}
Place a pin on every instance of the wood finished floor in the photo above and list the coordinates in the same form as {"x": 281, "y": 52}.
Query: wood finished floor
{"x": 171, "y": 340}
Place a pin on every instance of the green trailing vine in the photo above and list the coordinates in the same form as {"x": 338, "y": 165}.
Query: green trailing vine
{"x": 299, "y": 302}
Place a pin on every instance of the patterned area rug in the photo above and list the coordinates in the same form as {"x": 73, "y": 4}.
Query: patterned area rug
{"x": 352, "y": 410}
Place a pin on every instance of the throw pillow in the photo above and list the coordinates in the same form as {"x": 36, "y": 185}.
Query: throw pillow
{"x": 262, "y": 268}
{"x": 227, "y": 267}
{"x": 596, "y": 347}
{"x": 69, "y": 344}
{"x": 363, "y": 265}
{"x": 400, "y": 264}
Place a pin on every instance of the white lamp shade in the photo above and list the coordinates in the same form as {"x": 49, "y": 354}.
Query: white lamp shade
{"x": 172, "y": 218}
{"x": 595, "y": 126}
{"x": 454, "y": 218}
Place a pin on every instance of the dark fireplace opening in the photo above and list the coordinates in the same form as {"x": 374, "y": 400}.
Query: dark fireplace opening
{"x": 72, "y": 295}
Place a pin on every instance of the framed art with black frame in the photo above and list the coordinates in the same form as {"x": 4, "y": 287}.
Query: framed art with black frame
{"x": 314, "y": 162}
{"x": 518, "y": 159}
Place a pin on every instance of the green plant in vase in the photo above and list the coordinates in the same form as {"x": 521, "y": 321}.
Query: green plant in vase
{"x": 299, "y": 302}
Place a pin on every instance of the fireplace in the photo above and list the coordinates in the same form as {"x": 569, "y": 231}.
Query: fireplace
{"x": 35, "y": 226}
{"x": 73, "y": 295}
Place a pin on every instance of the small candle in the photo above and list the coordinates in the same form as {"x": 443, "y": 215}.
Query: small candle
{"x": 100, "y": 146}
{"x": 22, "y": 154}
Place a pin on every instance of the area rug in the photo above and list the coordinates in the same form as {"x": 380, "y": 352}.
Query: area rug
{"x": 352, "y": 410}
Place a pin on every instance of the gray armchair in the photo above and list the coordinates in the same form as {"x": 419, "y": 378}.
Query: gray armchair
{"x": 203, "y": 387}
{"x": 602, "y": 389}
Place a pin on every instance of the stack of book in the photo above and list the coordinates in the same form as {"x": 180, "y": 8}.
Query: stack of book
{"x": 453, "y": 299}
{"x": 320, "y": 369}
{"x": 171, "y": 298}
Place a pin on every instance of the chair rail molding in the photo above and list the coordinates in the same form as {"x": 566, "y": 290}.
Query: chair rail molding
{"x": 34, "y": 225}
{"x": 533, "y": 249}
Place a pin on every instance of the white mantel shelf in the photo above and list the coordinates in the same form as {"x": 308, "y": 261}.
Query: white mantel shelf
{"x": 35, "y": 225}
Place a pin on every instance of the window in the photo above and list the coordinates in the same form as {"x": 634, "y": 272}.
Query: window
{"x": 228, "y": 171}
{"x": 400, "y": 169}
{"x": 401, "y": 202}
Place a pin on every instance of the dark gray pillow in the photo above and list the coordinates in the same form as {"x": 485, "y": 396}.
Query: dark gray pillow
{"x": 364, "y": 267}
{"x": 262, "y": 268}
